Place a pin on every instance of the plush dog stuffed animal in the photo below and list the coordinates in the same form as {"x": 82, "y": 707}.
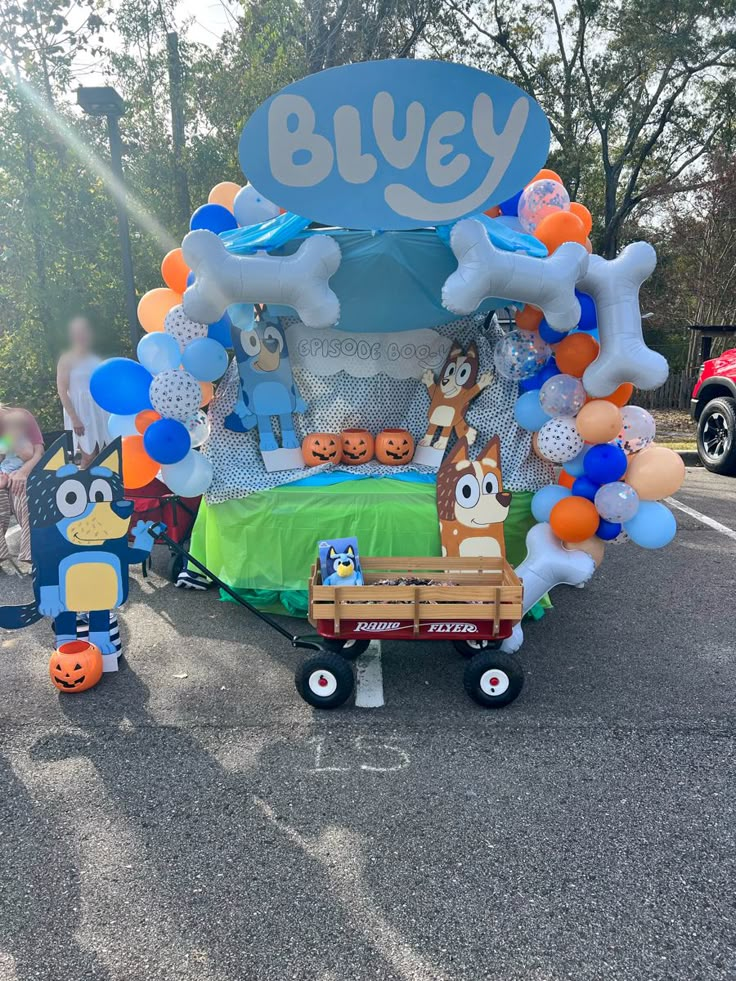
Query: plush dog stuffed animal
{"x": 471, "y": 502}
{"x": 450, "y": 396}
{"x": 345, "y": 571}
{"x": 79, "y": 544}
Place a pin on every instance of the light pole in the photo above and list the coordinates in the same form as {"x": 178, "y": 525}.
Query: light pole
{"x": 105, "y": 101}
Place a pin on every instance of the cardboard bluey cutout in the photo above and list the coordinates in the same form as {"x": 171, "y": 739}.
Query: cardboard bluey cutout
{"x": 471, "y": 502}
{"x": 267, "y": 389}
{"x": 79, "y": 544}
{"x": 450, "y": 395}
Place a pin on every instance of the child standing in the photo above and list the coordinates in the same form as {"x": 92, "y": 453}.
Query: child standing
{"x": 15, "y": 450}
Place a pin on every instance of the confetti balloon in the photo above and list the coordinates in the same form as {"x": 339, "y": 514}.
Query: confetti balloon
{"x": 539, "y": 199}
{"x": 559, "y": 441}
{"x": 175, "y": 395}
{"x": 520, "y": 354}
{"x": 562, "y": 395}
{"x": 617, "y": 502}
{"x": 637, "y": 430}
{"x": 181, "y": 328}
{"x": 198, "y": 428}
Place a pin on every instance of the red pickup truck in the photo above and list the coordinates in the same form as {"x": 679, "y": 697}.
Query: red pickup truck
{"x": 713, "y": 407}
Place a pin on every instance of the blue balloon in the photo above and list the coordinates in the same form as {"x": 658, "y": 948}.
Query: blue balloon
{"x": 122, "y": 425}
{"x": 190, "y": 278}
{"x": 605, "y": 463}
{"x": 549, "y": 370}
{"x": 167, "y": 441}
{"x": 214, "y": 218}
{"x": 546, "y": 498}
{"x": 588, "y": 314}
{"x": 205, "y": 359}
{"x": 159, "y": 352}
{"x": 121, "y": 385}
{"x": 511, "y": 205}
{"x": 532, "y": 384}
{"x": 528, "y": 413}
{"x": 585, "y": 487}
{"x": 608, "y": 530}
{"x": 576, "y": 466}
{"x": 549, "y": 335}
{"x": 653, "y": 525}
{"x": 220, "y": 331}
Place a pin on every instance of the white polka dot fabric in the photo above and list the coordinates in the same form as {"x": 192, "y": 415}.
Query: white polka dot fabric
{"x": 342, "y": 402}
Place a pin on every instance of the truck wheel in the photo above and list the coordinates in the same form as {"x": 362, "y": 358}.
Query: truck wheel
{"x": 325, "y": 680}
{"x": 469, "y": 648}
{"x": 717, "y": 436}
{"x": 349, "y": 649}
{"x": 493, "y": 679}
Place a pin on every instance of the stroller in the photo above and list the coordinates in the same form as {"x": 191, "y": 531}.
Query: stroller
{"x": 155, "y": 502}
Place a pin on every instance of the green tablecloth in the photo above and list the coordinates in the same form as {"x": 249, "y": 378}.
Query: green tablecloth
{"x": 264, "y": 545}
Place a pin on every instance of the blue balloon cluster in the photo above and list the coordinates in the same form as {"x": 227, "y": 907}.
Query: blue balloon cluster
{"x": 121, "y": 386}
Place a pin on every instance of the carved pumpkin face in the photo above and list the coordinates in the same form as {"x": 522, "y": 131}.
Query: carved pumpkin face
{"x": 76, "y": 666}
{"x": 319, "y": 448}
{"x": 394, "y": 447}
{"x": 357, "y": 447}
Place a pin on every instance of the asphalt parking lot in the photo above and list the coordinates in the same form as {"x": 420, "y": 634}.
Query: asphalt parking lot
{"x": 192, "y": 818}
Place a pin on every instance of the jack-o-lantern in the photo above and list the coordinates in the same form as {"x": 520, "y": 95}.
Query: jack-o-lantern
{"x": 357, "y": 447}
{"x": 394, "y": 447}
{"x": 76, "y": 666}
{"x": 319, "y": 448}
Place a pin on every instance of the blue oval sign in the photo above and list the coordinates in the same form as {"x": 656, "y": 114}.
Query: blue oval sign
{"x": 394, "y": 144}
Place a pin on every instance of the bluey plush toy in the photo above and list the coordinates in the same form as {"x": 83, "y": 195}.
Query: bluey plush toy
{"x": 79, "y": 544}
{"x": 345, "y": 568}
{"x": 267, "y": 386}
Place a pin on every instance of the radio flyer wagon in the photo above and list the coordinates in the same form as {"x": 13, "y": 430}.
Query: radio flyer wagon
{"x": 473, "y": 602}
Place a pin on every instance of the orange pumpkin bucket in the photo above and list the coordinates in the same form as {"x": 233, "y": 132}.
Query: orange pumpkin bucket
{"x": 357, "y": 447}
{"x": 394, "y": 447}
{"x": 320, "y": 448}
{"x": 75, "y": 666}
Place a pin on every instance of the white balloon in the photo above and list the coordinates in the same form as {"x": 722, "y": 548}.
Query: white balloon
{"x": 638, "y": 429}
{"x": 181, "y": 328}
{"x": 198, "y": 428}
{"x": 485, "y": 271}
{"x": 122, "y": 426}
{"x": 616, "y": 502}
{"x": 159, "y": 351}
{"x": 300, "y": 280}
{"x": 520, "y": 354}
{"x": 540, "y": 199}
{"x": 175, "y": 395}
{"x": 559, "y": 440}
{"x": 251, "y": 208}
{"x": 547, "y": 564}
{"x": 189, "y": 477}
{"x": 562, "y": 395}
{"x": 624, "y": 357}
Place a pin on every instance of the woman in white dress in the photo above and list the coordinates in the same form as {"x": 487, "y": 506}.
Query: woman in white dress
{"x": 82, "y": 414}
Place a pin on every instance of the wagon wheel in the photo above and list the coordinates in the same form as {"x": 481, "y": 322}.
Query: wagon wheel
{"x": 349, "y": 649}
{"x": 325, "y": 680}
{"x": 469, "y": 648}
{"x": 493, "y": 679}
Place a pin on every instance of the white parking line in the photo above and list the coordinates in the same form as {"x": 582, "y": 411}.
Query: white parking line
{"x": 703, "y": 518}
{"x": 369, "y": 680}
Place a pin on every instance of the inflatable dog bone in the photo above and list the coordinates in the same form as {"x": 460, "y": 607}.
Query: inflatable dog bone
{"x": 547, "y": 564}
{"x": 299, "y": 281}
{"x": 624, "y": 357}
{"x": 484, "y": 271}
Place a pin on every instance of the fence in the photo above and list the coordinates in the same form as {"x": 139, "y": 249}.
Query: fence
{"x": 674, "y": 394}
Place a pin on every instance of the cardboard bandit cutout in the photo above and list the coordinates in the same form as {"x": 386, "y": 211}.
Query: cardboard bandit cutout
{"x": 267, "y": 389}
{"x": 79, "y": 545}
{"x": 471, "y": 502}
{"x": 457, "y": 386}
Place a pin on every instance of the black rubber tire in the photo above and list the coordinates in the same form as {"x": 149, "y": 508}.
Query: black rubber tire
{"x": 336, "y": 670}
{"x": 723, "y": 462}
{"x": 349, "y": 649}
{"x": 466, "y": 649}
{"x": 490, "y": 661}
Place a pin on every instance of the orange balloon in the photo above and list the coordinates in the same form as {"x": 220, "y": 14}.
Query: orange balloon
{"x": 138, "y": 467}
{"x": 545, "y": 174}
{"x": 594, "y": 547}
{"x": 224, "y": 194}
{"x": 622, "y": 395}
{"x": 493, "y": 212}
{"x": 529, "y": 318}
{"x": 573, "y": 519}
{"x": 583, "y": 214}
{"x": 599, "y": 421}
{"x": 566, "y": 479}
{"x": 144, "y": 419}
{"x": 174, "y": 271}
{"x": 558, "y": 228}
{"x": 655, "y": 472}
{"x": 154, "y": 306}
{"x": 575, "y": 352}
{"x": 208, "y": 391}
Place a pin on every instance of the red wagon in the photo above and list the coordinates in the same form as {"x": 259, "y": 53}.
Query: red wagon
{"x": 155, "y": 502}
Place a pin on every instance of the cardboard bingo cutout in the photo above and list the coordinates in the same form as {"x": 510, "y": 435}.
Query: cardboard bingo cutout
{"x": 471, "y": 502}
{"x": 79, "y": 546}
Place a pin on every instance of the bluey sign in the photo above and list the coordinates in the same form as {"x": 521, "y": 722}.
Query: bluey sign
{"x": 394, "y": 144}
